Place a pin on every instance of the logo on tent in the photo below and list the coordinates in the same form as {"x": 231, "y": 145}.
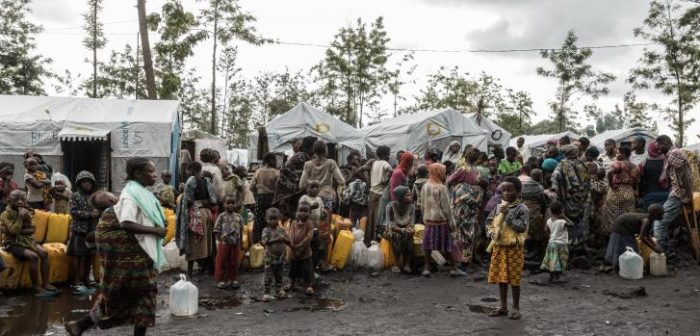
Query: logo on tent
{"x": 322, "y": 128}
{"x": 432, "y": 129}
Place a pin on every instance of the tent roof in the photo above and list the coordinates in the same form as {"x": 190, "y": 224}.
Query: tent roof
{"x": 494, "y": 129}
{"x": 305, "y": 120}
{"x": 621, "y": 134}
{"x": 29, "y": 109}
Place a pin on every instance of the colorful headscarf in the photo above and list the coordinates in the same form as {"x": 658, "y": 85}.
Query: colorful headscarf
{"x": 405, "y": 162}
{"x": 437, "y": 173}
{"x": 654, "y": 153}
{"x": 549, "y": 165}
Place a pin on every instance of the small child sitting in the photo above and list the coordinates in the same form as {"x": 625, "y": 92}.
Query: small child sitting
{"x": 228, "y": 232}
{"x": 61, "y": 197}
{"x": 18, "y": 229}
{"x": 301, "y": 231}
{"x": 400, "y": 218}
{"x": 275, "y": 240}
{"x": 321, "y": 220}
{"x": 558, "y": 247}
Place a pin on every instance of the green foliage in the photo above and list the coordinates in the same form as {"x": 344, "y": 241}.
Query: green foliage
{"x": 22, "y": 71}
{"x": 575, "y": 78}
{"x": 516, "y": 118}
{"x": 94, "y": 40}
{"x": 672, "y": 66}
{"x": 193, "y": 102}
{"x": 121, "y": 76}
{"x": 354, "y": 70}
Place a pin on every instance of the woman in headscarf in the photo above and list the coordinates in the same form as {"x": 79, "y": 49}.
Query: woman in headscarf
{"x": 438, "y": 218}
{"x": 195, "y": 224}
{"x": 654, "y": 185}
{"x": 399, "y": 177}
{"x": 571, "y": 184}
{"x": 466, "y": 197}
{"x": 453, "y": 152}
{"x": 287, "y": 192}
{"x": 533, "y": 198}
{"x": 622, "y": 179}
{"x": 400, "y": 217}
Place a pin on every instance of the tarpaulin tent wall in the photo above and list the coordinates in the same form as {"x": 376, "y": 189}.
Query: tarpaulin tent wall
{"x": 237, "y": 157}
{"x": 204, "y": 140}
{"x": 497, "y": 134}
{"x": 534, "y": 144}
{"x": 416, "y": 132}
{"x": 622, "y": 136}
{"x": 305, "y": 120}
{"x": 128, "y": 128}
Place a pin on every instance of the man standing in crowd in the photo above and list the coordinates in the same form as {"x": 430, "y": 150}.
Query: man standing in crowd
{"x": 639, "y": 154}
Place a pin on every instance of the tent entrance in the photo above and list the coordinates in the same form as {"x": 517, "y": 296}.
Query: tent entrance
{"x": 93, "y": 156}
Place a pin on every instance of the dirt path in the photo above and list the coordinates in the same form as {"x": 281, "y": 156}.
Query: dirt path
{"x": 355, "y": 303}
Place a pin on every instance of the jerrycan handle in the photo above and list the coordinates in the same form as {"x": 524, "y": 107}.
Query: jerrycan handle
{"x": 629, "y": 249}
{"x": 184, "y": 278}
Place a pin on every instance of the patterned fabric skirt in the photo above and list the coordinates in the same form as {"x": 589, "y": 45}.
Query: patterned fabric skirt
{"x": 618, "y": 201}
{"x": 263, "y": 202}
{"x": 200, "y": 247}
{"x": 401, "y": 243}
{"x": 128, "y": 287}
{"x": 506, "y": 265}
{"x": 437, "y": 237}
{"x": 556, "y": 258}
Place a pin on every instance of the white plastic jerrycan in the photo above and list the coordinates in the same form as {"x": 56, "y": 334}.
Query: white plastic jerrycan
{"x": 184, "y": 298}
{"x": 631, "y": 265}
{"x": 657, "y": 264}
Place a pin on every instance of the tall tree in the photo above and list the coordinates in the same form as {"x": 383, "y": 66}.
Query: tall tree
{"x": 121, "y": 76}
{"x": 637, "y": 113}
{"x": 22, "y": 71}
{"x": 227, "y": 22}
{"x": 230, "y": 69}
{"x": 95, "y": 39}
{"x": 400, "y": 77}
{"x": 146, "y": 48}
{"x": 355, "y": 68}
{"x": 673, "y": 65}
{"x": 516, "y": 117}
{"x": 575, "y": 78}
{"x": 178, "y": 38}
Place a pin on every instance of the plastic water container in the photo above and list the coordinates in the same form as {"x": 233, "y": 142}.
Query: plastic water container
{"x": 631, "y": 265}
{"x": 657, "y": 264}
{"x": 358, "y": 253}
{"x": 184, "y": 297}
{"x": 257, "y": 256}
{"x": 437, "y": 257}
{"x": 342, "y": 249}
{"x": 375, "y": 257}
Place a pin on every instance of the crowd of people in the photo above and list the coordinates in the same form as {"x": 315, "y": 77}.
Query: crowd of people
{"x": 499, "y": 209}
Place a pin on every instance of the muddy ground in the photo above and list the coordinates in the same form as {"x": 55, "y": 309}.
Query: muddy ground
{"x": 357, "y": 303}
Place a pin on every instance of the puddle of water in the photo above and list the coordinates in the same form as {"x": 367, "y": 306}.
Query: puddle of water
{"x": 480, "y": 309}
{"x": 319, "y": 304}
{"x": 212, "y": 303}
{"x": 34, "y": 316}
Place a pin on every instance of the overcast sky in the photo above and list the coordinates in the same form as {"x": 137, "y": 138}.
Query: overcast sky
{"x": 414, "y": 24}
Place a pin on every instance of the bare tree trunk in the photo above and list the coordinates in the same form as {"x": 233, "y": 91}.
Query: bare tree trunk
{"x": 94, "y": 50}
{"x": 213, "y": 128}
{"x": 147, "y": 61}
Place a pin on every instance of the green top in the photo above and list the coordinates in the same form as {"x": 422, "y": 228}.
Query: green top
{"x": 507, "y": 168}
{"x": 11, "y": 226}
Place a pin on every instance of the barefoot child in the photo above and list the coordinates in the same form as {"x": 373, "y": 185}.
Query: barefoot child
{"x": 506, "y": 226}
{"x": 228, "y": 231}
{"x": 400, "y": 217}
{"x": 275, "y": 240}
{"x": 301, "y": 231}
{"x": 558, "y": 247}
{"x": 320, "y": 219}
{"x": 17, "y": 228}
{"x": 84, "y": 220}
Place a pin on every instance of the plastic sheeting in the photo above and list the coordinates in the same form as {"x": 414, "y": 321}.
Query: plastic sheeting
{"x": 497, "y": 134}
{"x": 204, "y": 140}
{"x": 622, "y": 136}
{"x": 534, "y": 144}
{"x": 305, "y": 120}
{"x": 416, "y": 132}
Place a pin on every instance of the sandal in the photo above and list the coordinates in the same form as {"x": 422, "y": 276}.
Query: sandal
{"x": 309, "y": 291}
{"x": 235, "y": 285}
{"x": 426, "y": 273}
{"x": 222, "y": 285}
{"x": 395, "y": 269}
{"x": 514, "y": 315}
{"x": 498, "y": 312}
{"x": 458, "y": 273}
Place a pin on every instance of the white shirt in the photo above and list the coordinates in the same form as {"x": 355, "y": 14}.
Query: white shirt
{"x": 638, "y": 159}
{"x": 524, "y": 153}
{"x": 606, "y": 161}
{"x": 289, "y": 153}
{"x": 128, "y": 210}
{"x": 218, "y": 179}
{"x": 379, "y": 176}
{"x": 558, "y": 233}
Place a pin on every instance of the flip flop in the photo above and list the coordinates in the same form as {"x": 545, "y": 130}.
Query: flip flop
{"x": 498, "y": 312}
{"x": 426, "y": 274}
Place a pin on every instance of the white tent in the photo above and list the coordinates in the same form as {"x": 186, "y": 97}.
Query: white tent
{"x": 416, "y": 132}
{"x": 202, "y": 140}
{"x": 84, "y": 133}
{"x": 497, "y": 134}
{"x": 305, "y": 120}
{"x": 694, "y": 148}
{"x": 237, "y": 157}
{"x": 534, "y": 144}
{"x": 622, "y": 136}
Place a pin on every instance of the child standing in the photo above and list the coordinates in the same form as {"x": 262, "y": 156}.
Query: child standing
{"x": 275, "y": 240}
{"x": 421, "y": 180}
{"x": 320, "y": 219}
{"x": 228, "y": 231}
{"x": 37, "y": 186}
{"x": 17, "y": 228}
{"x": 61, "y": 194}
{"x": 507, "y": 228}
{"x": 84, "y": 221}
{"x": 558, "y": 247}
{"x": 301, "y": 231}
